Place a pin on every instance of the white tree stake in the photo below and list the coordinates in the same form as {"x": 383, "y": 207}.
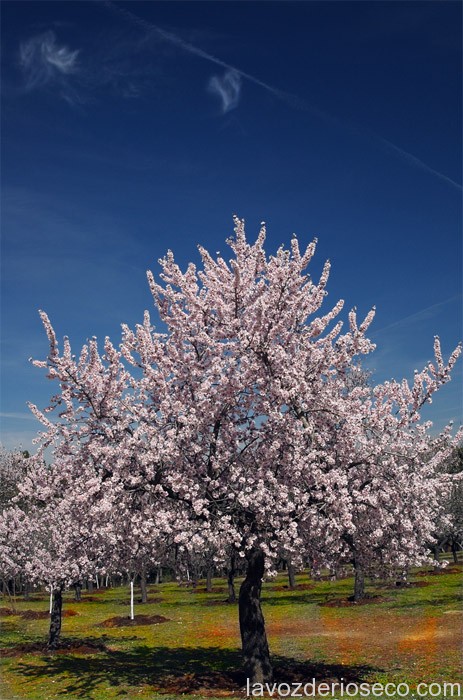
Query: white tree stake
{"x": 51, "y": 600}
{"x": 131, "y": 600}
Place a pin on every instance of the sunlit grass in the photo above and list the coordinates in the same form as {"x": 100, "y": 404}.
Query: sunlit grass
{"x": 412, "y": 635}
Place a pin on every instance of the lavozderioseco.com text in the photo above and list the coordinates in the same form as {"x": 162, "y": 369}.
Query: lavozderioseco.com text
{"x": 344, "y": 689}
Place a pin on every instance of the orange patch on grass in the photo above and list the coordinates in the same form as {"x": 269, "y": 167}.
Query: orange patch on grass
{"x": 348, "y": 640}
{"x": 424, "y": 633}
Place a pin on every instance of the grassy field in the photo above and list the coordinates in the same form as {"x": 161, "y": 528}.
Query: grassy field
{"x": 410, "y": 635}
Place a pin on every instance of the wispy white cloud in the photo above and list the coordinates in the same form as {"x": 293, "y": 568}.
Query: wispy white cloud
{"x": 17, "y": 416}
{"x": 44, "y": 61}
{"x": 153, "y": 30}
{"x": 79, "y": 75}
{"x": 295, "y": 101}
{"x": 227, "y": 88}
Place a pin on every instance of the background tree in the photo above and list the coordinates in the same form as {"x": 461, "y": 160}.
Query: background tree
{"x": 449, "y": 523}
{"x": 60, "y": 531}
{"x": 13, "y": 466}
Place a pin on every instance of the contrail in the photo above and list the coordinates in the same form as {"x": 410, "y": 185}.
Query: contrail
{"x": 190, "y": 48}
{"x": 413, "y": 160}
{"x": 289, "y": 98}
{"x": 417, "y": 315}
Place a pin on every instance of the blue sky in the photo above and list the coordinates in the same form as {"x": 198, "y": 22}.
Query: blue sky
{"x": 132, "y": 127}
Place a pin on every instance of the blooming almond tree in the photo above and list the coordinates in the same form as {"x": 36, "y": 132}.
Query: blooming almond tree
{"x": 238, "y": 416}
{"x": 59, "y": 531}
{"x": 79, "y": 524}
{"x": 13, "y": 465}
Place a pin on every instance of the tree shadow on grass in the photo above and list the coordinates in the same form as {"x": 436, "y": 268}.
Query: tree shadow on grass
{"x": 306, "y": 598}
{"x": 69, "y": 645}
{"x": 166, "y": 670}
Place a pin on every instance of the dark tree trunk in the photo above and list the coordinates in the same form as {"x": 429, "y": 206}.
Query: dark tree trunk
{"x": 252, "y": 625}
{"x": 55, "y": 618}
{"x": 231, "y": 580}
{"x": 78, "y": 592}
{"x": 27, "y": 590}
{"x": 291, "y": 576}
{"x": 144, "y": 590}
{"x": 90, "y": 585}
{"x": 209, "y": 579}
{"x": 455, "y": 552}
{"x": 158, "y": 578}
{"x": 359, "y": 582}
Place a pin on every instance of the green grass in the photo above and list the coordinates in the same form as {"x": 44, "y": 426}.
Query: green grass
{"x": 413, "y": 635}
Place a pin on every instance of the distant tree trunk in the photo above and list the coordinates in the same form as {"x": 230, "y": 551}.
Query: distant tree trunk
{"x": 144, "y": 591}
{"x": 89, "y": 585}
{"x": 209, "y": 573}
{"x": 291, "y": 576}
{"x": 359, "y": 581}
{"x": 132, "y": 615}
{"x": 231, "y": 580}
{"x": 252, "y": 625}
{"x": 55, "y": 618}
{"x": 435, "y": 553}
{"x": 158, "y": 578}
{"x": 27, "y": 590}
{"x": 455, "y": 552}
{"x": 7, "y": 592}
{"x": 78, "y": 591}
